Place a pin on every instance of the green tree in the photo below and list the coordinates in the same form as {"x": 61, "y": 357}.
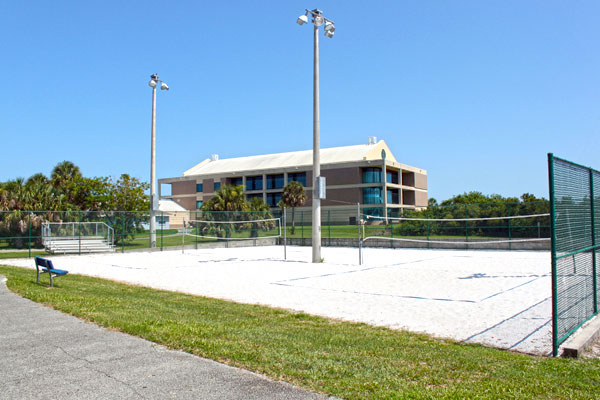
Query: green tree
{"x": 293, "y": 196}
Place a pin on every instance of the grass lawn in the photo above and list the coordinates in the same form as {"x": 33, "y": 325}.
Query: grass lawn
{"x": 347, "y": 360}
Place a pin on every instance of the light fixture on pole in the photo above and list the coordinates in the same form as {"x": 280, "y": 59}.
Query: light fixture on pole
{"x": 153, "y": 198}
{"x": 318, "y": 182}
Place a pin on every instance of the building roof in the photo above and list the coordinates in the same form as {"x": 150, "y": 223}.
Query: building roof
{"x": 333, "y": 155}
{"x": 169, "y": 205}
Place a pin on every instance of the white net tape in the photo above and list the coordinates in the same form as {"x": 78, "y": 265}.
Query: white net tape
{"x": 267, "y": 224}
{"x": 474, "y": 242}
{"x": 456, "y": 219}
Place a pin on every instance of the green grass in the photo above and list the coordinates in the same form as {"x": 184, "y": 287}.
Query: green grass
{"x": 22, "y": 254}
{"x": 347, "y": 360}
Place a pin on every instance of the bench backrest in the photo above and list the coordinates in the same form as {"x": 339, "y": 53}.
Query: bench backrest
{"x": 43, "y": 262}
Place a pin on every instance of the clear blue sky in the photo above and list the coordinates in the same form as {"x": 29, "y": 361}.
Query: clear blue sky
{"x": 475, "y": 92}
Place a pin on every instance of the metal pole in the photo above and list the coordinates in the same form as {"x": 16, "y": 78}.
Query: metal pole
{"x": 553, "y": 254}
{"x": 594, "y": 266}
{"x": 316, "y": 206}
{"x": 29, "y": 229}
{"x": 358, "y": 227}
{"x": 285, "y": 234}
{"x": 153, "y": 172}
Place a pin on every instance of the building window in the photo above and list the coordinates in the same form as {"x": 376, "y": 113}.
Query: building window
{"x": 199, "y": 204}
{"x": 217, "y": 186}
{"x": 299, "y": 177}
{"x": 254, "y": 196}
{"x": 371, "y": 175}
{"x": 392, "y": 196}
{"x": 391, "y": 177}
{"x": 372, "y": 196}
{"x": 275, "y": 181}
{"x": 273, "y": 199}
{"x": 161, "y": 220}
{"x": 236, "y": 181}
{"x": 198, "y": 187}
{"x": 254, "y": 182}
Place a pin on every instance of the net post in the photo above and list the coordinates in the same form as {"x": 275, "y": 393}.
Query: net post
{"x": 592, "y": 209}
{"x": 285, "y": 234}
{"x": 553, "y": 255}
{"x": 162, "y": 229}
{"x": 196, "y": 236}
{"x": 509, "y": 232}
{"x": 466, "y": 227}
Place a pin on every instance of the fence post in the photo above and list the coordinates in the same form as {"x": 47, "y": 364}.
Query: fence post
{"x": 162, "y": 229}
{"x": 554, "y": 269}
{"x": 29, "y": 229}
{"x": 358, "y": 224}
{"x": 123, "y": 233}
{"x": 592, "y": 210}
{"x": 392, "y": 233}
{"x": 79, "y": 232}
{"x": 285, "y": 234}
{"x": 302, "y": 227}
{"x": 329, "y": 225}
{"x": 427, "y": 218}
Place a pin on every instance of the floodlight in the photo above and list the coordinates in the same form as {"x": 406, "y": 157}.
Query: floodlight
{"x": 152, "y": 83}
{"x": 329, "y": 34}
{"x": 303, "y": 19}
{"x": 329, "y": 26}
{"x": 319, "y": 20}
{"x": 163, "y": 86}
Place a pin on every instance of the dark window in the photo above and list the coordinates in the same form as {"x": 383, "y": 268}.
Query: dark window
{"x": 372, "y": 196}
{"x": 391, "y": 177}
{"x": 273, "y": 199}
{"x": 392, "y": 196}
{"x": 253, "y": 196}
{"x": 161, "y": 220}
{"x": 198, "y": 187}
{"x": 254, "y": 183}
{"x": 275, "y": 181}
{"x": 299, "y": 177}
{"x": 217, "y": 186}
{"x": 236, "y": 181}
{"x": 199, "y": 204}
{"x": 371, "y": 175}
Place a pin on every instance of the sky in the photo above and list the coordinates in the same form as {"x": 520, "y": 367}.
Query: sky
{"x": 475, "y": 92}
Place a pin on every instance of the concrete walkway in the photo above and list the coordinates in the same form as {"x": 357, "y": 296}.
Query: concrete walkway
{"x": 45, "y": 354}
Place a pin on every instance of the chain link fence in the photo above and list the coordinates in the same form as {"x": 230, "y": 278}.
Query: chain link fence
{"x": 575, "y": 217}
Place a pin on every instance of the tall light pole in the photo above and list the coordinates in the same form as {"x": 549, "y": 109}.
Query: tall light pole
{"x": 153, "y": 198}
{"x": 318, "y": 182}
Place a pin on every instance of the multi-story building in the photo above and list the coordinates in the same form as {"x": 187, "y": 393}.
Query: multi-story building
{"x": 354, "y": 174}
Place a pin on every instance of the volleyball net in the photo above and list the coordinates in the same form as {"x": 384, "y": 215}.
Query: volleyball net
{"x": 486, "y": 232}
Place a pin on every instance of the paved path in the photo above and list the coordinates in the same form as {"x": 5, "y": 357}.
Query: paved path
{"x": 45, "y": 354}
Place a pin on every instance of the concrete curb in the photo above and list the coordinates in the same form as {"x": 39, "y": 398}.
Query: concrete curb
{"x": 582, "y": 339}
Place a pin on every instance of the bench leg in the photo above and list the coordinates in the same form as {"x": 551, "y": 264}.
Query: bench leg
{"x": 38, "y": 276}
{"x": 51, "y": 281}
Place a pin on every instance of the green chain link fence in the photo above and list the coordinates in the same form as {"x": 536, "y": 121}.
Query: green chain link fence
{"x": 575, "y": 219}
{"x": 22, "y": 231}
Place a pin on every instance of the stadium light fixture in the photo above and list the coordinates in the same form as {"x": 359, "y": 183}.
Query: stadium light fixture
{"x": 318, "y": 183}
{"x": 154, "y": 80}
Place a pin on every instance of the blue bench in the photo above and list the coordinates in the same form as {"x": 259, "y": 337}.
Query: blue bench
{"x": 47, "y": 268}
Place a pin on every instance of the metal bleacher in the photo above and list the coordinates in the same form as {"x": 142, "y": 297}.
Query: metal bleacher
{"x": 77, "y": 237}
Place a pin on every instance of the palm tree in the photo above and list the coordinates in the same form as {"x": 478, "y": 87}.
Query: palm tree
{"x": 227, "y": 199}
{"x": 293, "y": 196}
{"x": 260, "y": 210}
